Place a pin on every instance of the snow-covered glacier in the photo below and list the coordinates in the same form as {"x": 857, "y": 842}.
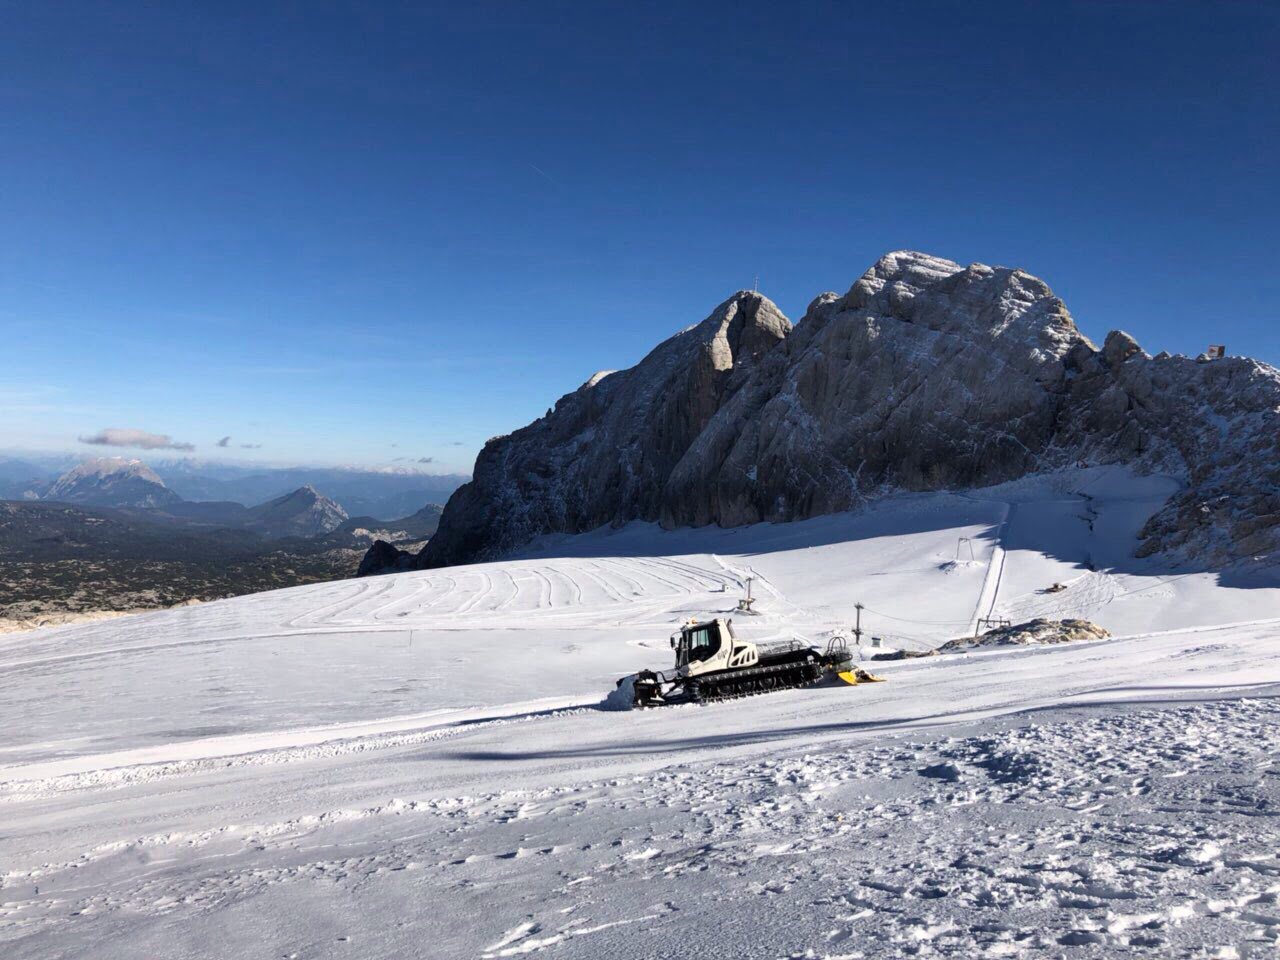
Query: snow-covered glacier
{"x": 418, "y": 764}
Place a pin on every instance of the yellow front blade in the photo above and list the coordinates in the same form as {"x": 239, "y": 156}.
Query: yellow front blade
{"x": 857, "y": 675}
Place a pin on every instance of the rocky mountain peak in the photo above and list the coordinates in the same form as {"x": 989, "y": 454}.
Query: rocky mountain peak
{"x": 979, "y": 302}
{"x": 554, "y": 474}
{"x": 1119, "y": 347}
{"x": 304, "y": 512}
{"x": 112, "y": 482}
{"x": 925, "y": 375}
{"x": 113, "y": 466}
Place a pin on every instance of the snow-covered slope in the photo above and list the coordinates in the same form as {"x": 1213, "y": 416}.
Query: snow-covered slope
{"x": 417, "y": 765}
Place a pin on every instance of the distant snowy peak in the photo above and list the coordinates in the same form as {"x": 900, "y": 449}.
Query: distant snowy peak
{"x": 303, "y": 513}
{"x": 925, "y": 375}
{"x": 112, "y": 467}
{"x": 112, "y": 482}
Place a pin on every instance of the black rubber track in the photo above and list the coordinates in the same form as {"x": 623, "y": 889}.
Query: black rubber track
{"x": 754, "y": 680}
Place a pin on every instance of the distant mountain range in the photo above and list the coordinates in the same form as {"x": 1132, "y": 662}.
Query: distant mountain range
{"x": 22, "y": 479}
{"x": 110, "y": 535}
{"x": 60, "y": 560}
{"x": 385, "y": 494}
{"x": 133, "y": 486}
{"x": 112, "y": 482}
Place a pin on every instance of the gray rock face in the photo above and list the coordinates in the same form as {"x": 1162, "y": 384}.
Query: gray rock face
{"x": 383, "y": 557}
{"x": 925, "y": 375}
{"x": 605, "y": 453}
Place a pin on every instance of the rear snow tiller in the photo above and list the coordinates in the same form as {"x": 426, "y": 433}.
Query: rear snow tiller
{"x": 712, "y": 663}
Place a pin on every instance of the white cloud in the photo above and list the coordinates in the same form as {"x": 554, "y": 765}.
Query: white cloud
{"x": 116, "y": 437}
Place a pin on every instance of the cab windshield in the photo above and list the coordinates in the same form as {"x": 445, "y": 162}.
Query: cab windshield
{"x": 697, "y": 644}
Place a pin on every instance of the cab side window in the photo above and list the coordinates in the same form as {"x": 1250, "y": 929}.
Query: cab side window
{"x": 703, "y": 644}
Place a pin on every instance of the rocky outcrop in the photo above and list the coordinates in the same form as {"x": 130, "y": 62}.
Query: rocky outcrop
{"x": 924, "y": 375}
{"x": 1030, "y": 633}
{"x": 1215, "y": 425}
{"x": 1033, "y": 632}
{"x": 383, "y": 557}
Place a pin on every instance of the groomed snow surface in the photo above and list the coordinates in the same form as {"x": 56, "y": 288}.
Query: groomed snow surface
{"x": 421, "y": 765}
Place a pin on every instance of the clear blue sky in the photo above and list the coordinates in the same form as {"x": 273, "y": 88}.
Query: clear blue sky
{"x": 352, "y": 232}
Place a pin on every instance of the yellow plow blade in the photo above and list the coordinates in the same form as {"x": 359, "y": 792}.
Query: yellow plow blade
{"x": 857, "y": 675}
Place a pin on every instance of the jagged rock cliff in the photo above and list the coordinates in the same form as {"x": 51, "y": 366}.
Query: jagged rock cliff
{"x": 607, "y": 450}
{"x": 925, "y": 375}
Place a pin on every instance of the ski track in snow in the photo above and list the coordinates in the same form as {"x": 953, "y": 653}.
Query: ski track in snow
{"x": 417, "y": 766}
{"x": 594, "y": 573}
